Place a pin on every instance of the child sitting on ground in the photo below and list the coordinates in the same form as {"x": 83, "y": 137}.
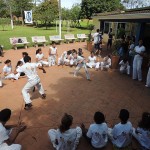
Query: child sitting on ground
{"x": 121, "y": 134}
{"x": 97, "y": 133}
{"x": 65, "y": 138}
{"x": 124, "y": 66}
{"x": 91, "y": 61}
{"x": 142, "y": 133}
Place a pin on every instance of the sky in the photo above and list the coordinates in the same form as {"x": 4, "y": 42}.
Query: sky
{"x": 69, "y": 3}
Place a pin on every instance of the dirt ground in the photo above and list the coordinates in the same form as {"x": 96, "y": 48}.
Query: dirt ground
{"x": 108, "y": 92}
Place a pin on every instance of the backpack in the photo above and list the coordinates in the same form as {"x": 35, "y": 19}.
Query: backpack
{"x": 20, "y": 41}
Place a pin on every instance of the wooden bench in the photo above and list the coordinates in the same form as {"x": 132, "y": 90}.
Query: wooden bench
{"x": 69, "y": 37}
{"x": 39, "y": 40}
{"x": 55, "y": 38}
{"x": 81, "y": 37}
{"x": 19, "y": 41}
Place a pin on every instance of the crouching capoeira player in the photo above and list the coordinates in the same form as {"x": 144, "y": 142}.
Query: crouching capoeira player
{"x": 105, "y": 64}
{"x": 80, "y": 64}
{"x": 52, "y": 54}
{"x": 124, "y": 66}
{"x": 91, "y": 61}
{"x": 7, "y": 71}
{"x": 33, "y": 80}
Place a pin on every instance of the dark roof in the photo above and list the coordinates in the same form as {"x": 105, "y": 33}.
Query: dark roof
{"x": 140, "y": 14}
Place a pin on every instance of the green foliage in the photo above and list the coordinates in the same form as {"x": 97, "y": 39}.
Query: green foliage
{"x": 4, "y": 11}
{"x": 4, "y": 22}
{"x": 120, "y": 33}
{"x": 115, "y": 46}
{"x": 46, "y": 12}
{"x": 89, "y": 7}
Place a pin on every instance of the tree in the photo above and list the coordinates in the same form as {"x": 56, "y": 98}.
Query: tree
{"x": 89, "y": 7}
{"x": 4, "y": 22}
{"x": 3, "y": 9}
{"x": 46, "y": 12}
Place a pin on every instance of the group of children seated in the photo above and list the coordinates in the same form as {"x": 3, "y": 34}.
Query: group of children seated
{"x": 98, "y": 134}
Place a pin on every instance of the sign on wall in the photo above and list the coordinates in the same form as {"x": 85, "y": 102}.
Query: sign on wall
{"x": 28, "y": 16}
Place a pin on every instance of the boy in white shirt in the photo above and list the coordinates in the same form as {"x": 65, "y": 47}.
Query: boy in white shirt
{"x": 52, "y": 54}
{"x": 23, "y": 55}
{"x": 121, "y": 134}
{"x": 7, "y": 133}
{"x": 65, "y": 138}
{"x": 80, "y": 64}
{"x": 91, "y": 61}
{"x": 124, "y": 66}
{"x": 142, "y": 133}
{"x": 97, "y": 133}
{"x": 33, "y": 80}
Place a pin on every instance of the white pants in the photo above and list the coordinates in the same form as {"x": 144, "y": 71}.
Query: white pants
{"x": 126, "y": 70}
{"x": 137, "y": 71}
{"x": 102, "y": 65}
{"x": 42, "y": 62}
{"x": 52, "y": 60}
{"x": 4, "y": 146}
{"x": 79, "y": 66}
{"x": 52, "y": 136}
{"x": 148, "y": 78}
{"x": 13, "y": 76}
{"x": 29, "y": 86}
{"x": 91, "y": 65}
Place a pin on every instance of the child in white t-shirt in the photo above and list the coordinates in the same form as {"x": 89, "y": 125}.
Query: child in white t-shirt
{"x": 124, "y": 66}
{"x": 97, "y": 133}
{"x": 121, "y": 134}
{"x": 91, "y": 61}
{"x": 142, "y": 133}
{"x": 65, "y": 138}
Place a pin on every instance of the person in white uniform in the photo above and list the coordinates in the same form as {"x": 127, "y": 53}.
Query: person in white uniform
{"x": 124, "y": 66}
{"x": 7, "y": 71}
{"x": 137, "y": 62}
{"x": 80, "y": 64}
{"x": 40, "y": 57}
{"x": 65, "y": 138}
{"x": 148, "y": 76}
{"x": 121, "y": 134}
{"x": 23, "y": 55}
{"x": 8, "y": 133}
{"x": 142, "y": 133}
{"x": 91, "y": 61}
{"x": 97, "y": 133}
{"x": 33, "y": 80}
{"x": 18, "y": 69}
{"x": 52, "y": 54}
{"x": 105, "y": 64}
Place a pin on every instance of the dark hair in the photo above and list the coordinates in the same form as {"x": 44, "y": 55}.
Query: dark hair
{"x": 27, "y": 59}
{"x": 92, "y": 52}
{"x": 145, "y": 121}
{"x": 124, "y": 116}
{"x": 69, "y": 52}
{"x": 25, "y": 53}
{"x": 66, "y": 122}
{"x": 5, "y": 115}
{"x": 19, "y": 63}
{"x": 7, "y": 61}
{"x": 97, "y": 30}
{"x": 53, "y": 42}
{"x": 99, "y": 117}
{"x": 38, "y": 50}
{"x": 80, "y": 49}
{"x": 74, "y": 51}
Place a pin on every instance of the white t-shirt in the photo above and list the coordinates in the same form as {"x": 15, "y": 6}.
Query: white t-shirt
{"x": 7, "y": 69}
{"x": 22, "y": 59}
{"x": 18, "y": 69}
{"x": 143, "y": 137}
{"x": 107, "y": 61}
{"x": 96, "y": 37}
{"x": 30, "y": 70}
{"x": 79, "y": 58}
{"x": 69, "y": 139}
{"x": 122, "y": 134}
{"x": 53, "y": 50}
{"x": 123, "y": 65}
{"x": 98, "y": 134}
{"x": 92, "y": 60}
{"x": 139, "y": 50}
{"x": 3, "y": 134}
{"x": 40, "y": 56}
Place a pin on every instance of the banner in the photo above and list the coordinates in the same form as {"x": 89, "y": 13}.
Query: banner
{"x": 28, "y": 16}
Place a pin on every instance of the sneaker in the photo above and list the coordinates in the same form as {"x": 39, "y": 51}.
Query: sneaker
{"x": 43, "y": 96}
{"x": 28, "y": 106}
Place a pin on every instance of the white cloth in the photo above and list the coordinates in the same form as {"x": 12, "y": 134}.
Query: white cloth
{"x": 91, "y": 62}
{"x": 3, "y": 137}
{"x": 61, "y": 59}
{"x": 98, "y": 133}
{"x": 137, "y": 63}
{"x": 148, "y": 78}
{"x": 121, "y": 134}
{"x": 52, "y": 60}
{"x": 53, "y": 50}
{"x": 8, "y": 70}
{"x": 22, "y": 59}
{"x": 67, "y": 140}
{"x": 40, "y": 58}
{"x": 33, "y": 80}
{"x": 124, "y": 67}
{"x": 97, "y": 38}
{"x": 142, "y": 136}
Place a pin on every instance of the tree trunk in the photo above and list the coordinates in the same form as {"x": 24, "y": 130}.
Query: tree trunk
{"x": 22, "y": 17}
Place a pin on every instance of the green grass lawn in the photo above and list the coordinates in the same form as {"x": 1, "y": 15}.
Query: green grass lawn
{"x": 25, "y": 31}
